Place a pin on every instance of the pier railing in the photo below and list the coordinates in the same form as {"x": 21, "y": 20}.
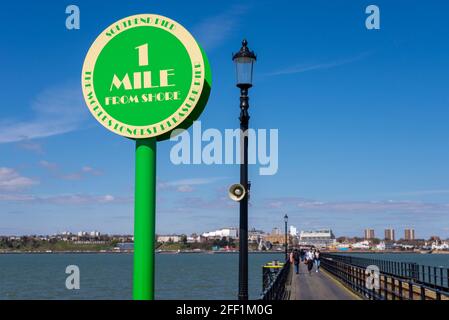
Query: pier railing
{"x": 275, "y": 277}
{"x": 431, "y": 276}
{"x": 391, "y": 282}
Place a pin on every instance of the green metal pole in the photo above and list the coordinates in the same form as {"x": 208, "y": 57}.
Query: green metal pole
{"x": 144, "y": 219}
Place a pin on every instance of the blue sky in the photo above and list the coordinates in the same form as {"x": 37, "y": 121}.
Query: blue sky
{"x": 362, "y": 118}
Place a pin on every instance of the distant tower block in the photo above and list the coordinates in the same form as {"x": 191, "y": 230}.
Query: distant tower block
{"x": 389, "y": 235}
{"x": 409, "y": 234}
{"x": 369, "y": 234}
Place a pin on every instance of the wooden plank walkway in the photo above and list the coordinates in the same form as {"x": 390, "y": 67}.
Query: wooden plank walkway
{"x": 317, "y": 286}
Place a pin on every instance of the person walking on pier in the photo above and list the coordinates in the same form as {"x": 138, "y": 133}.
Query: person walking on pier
{"x": 310, "y": 257}
{"x": 317, "y": 260}
{"x": 295, "y": 257}
{"x": 303, "y": 254}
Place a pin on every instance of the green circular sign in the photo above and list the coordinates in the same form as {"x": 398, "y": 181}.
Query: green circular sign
{"x": 144, "y": 76}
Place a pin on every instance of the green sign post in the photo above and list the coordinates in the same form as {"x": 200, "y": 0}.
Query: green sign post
{"x": 143, "y": 77}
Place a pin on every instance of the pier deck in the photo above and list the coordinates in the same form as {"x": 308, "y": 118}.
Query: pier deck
{"x": 318, "y": 286}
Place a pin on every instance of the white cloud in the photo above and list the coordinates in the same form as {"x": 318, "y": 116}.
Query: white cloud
{"x": 31, "y": 146}
{"x": 187, "y": 185}
{"x": 90, "y": 170}
{"x": 76, "y": 199}
{"x": 194, "y": 181}
{"x": 78, "y": 175}
{"x": 212, "y": 31}
{"x": 65, "y": 199}
{"x": 11, "y": 180}
{"x": 16, "y": 197}
{"x": 361, "y": 207}
{"x": 317, "y": 66}
{"x": 71, "y": 176}
{"x": 421, "y": 192}
{"x": 185, "y": 189}
{"x": 55, "y": 111}
{"x": 48, "y": 165}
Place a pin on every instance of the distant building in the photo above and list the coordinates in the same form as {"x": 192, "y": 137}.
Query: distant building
{"x": 169, "y": 238}
{"x": 409, "y": 234}
{"x": 364, "y": 245}
{"x": 389, "y": 235}
{"x": 94, "y": 234}
{"x": 369, "y": 234}
{"x": 381, "y": 246}
{"x": 318, "y": 238}
{"x": 256, "y": 235}
{"x": 293, "y": 231}
{"x": 194, "y": 238}
{"x": 222, "y": 233}
{"x": 275, "y": 238}
{"x": 82, "y": 233}
{"x": 440, "y": 246}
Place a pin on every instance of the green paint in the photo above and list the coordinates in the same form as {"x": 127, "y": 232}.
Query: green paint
{"x": 140, "y": 106}
{"x": 144, "y": 219}
{"x": 199, "y": 106}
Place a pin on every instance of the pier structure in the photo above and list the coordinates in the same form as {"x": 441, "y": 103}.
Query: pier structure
{"x": 346, "y": 277}
{"x": 318, "y": 286}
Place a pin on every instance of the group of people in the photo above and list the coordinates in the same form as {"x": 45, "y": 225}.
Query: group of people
{"x": 310, "y": 257}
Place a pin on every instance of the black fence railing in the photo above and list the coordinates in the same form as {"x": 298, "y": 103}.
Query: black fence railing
{"x": 431, "y": 276}
{"x": 377, "y": 285}
{"x": 275, "y": 277}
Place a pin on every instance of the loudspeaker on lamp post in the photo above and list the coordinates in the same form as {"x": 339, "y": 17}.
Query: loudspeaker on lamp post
{"x": 237, "y": 192}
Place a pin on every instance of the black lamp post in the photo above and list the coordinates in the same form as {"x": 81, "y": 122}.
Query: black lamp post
{"x": 244, "y": 61}
{"x": 286, "y": 239}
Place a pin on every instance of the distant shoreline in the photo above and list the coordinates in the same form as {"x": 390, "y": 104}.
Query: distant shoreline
{"x": 213, "y": 252}
{"x": 389, "y": 252}
{"x": 131, "y": 252}
{"x": 64, "y": 252}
